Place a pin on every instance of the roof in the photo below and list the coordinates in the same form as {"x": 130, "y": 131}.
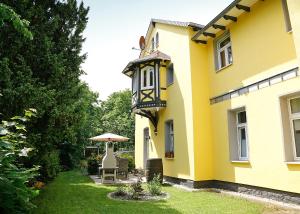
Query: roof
{"x": 154, "y": 55}
{"x": 177, "y": 23}
{"x": 193, "y": 25}
{"x": 228, "y": 15}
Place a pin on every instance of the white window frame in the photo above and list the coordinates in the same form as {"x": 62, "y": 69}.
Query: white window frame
{"x": 149, "y": 70}
{"x": 292, "y": 117}
{"x": 238, "y": 127}
{"x": 225, "y": 49}
{"x": 170, "y": 135}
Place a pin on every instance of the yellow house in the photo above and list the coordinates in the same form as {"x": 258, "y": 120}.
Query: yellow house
{"x": 220, "y": 103}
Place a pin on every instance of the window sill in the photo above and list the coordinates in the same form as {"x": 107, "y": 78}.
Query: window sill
{"x": 240, "y": 161}
{"x": 293, "y": 162}
{"x": 169, "y": 158}
{"x": 221, "y": 69}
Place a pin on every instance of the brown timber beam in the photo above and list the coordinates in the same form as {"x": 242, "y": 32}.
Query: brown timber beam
{"x": 209, "y": 34}
{"x": 221, "y": 27}
{"x": 232, "y": 18}
{"x": 243, "y": 7}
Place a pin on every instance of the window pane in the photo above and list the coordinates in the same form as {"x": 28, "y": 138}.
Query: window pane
{"x": 225, "y": 42}
{"x": 152, "y": 43}
{"x": 169, "y": 141}
{"x": 297, "y": 136}
{"x": 243, "y": 142}
{"x": 242, "y": 117}
{"x": 134, "y": 82}
{"x": 222, "y": 59}
{"x": 151, "y": 77}
{"x": 157, "y": 39}
{"x": 295, "y": 105}
{"x": 145, "y": 78}
{"x": 170, "y": 74}
{"x": 229, "y": 52}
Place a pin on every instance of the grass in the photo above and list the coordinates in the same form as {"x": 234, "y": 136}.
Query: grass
{"x": 74, "y": 193}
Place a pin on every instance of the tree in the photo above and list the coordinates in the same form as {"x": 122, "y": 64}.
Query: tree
{"x": 117, "y": 116}
{"x": 43, "y": 73}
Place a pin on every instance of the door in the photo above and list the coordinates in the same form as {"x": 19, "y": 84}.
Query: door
{"x": 146, "y": 145}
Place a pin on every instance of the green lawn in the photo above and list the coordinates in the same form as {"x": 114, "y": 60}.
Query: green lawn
{"x": 73, "y": 193}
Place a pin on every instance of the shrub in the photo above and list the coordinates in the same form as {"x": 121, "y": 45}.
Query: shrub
{"x": 93, "y": 164}
{"x": 154, "y": 186}
{"x": 15, "y": 193}
{"x": 130, "y": 158}
{"x": 121, "y": 191}
{"x": 83, "y": 167}
{"x": 51, "y": 164}
{"x": 136, "y": 188}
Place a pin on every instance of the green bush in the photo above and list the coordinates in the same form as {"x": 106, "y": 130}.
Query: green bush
{"x": 131, "y": 165}
{"x": 84, "y": 167}
{"x": 51, "y": 164}
{"x": 136, "y": 188}
{"x": 154, "y": 186}
{"x": 121, "y": 191}
{"x": 93, "y": 164}
{"x": 15, "y": 193}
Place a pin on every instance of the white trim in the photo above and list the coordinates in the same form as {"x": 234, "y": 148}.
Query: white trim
{"x": 225, "y": 49}
{"x": 292, "y": 117}
{"x": 149, "y": 70}
{"x": 240, "y": 161}
{"x": 240, "y": 126}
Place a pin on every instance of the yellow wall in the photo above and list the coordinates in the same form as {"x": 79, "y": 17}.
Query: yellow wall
{"x": 261, "y": 48}
{"x": 201, "y": 111}
{"x": 294, "y": 9}
{"x": 266, "y": 167}
{"x": 259, "y": 42}
{"x": 178, "y": 107}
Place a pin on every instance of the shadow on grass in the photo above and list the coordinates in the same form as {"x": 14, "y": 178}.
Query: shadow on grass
{"x": 79, "y": 195}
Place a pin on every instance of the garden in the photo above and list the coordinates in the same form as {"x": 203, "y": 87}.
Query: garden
{"x": 72, "y": 192}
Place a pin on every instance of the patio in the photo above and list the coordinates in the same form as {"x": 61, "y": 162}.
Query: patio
{"x": 131, "y": 179}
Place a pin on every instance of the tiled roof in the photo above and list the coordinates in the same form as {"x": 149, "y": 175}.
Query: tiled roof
{"x": 154, "y": 55}
{"x": 177, "y": 23}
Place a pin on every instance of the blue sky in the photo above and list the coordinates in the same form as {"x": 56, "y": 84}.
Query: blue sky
{"x": 115, "y": 26}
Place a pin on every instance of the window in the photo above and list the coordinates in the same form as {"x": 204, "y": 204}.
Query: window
{"x": 134, "y": 82}
{"x": 147, "y": 78}
{"x": 294, "y": 115}
{"x": 170, "y": 74}
{"x": 241, "y": 119}
{"x": 157, "y": 40}
{"x": 238, "y": 135}
{"x": 152, "y": 44}
{"x": 169, "y": 139}
{"x": 223, "y": 51}
{"x": 286, "y": 16}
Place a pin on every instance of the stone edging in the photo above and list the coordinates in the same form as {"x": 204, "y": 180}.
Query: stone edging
{"x": 153, "y": 198}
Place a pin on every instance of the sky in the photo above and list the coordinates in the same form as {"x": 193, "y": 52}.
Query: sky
{"x": 115, "y": 26}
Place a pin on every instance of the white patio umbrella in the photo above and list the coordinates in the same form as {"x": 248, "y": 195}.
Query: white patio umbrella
{"x": 109, "y": 137}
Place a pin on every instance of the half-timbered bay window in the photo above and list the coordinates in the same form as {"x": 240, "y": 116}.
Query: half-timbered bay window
{"x": 148, "y": 75}
{"x": 294, "y": 112}
{"x": 223, "y": 51}
{"x": 169, "y": 139}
